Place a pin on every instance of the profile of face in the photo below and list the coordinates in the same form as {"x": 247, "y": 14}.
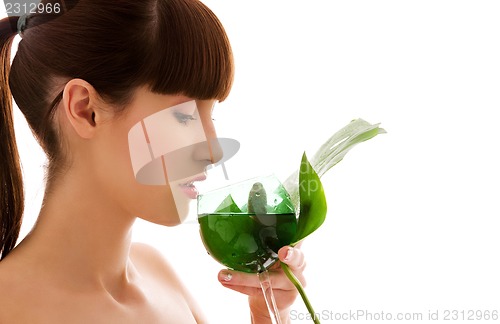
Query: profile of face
{"x": 113, "y": 139}
{"x": 153, "y": 154}
{"x": 171, "y": 148}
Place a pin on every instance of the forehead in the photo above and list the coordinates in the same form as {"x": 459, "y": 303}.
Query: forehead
{"x": 146, "y": 102}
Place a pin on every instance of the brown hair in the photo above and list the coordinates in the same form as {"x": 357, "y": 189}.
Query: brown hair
{"x": 171, "y": 46}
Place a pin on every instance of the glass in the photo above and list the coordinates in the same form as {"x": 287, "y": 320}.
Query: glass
{"x": 245, "y": 224}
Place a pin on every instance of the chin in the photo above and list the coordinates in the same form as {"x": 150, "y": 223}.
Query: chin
{"x": 168, "y": 207}
{"x": 168, "y": 218}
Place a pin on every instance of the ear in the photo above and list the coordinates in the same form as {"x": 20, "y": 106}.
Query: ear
{"x": 79, "y": 102}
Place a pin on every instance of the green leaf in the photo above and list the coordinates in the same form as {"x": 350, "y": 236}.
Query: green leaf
{"x": 333, "y": 151}
{"x": 337, "y": 146}
{"x": 312, "y": 211}
{"x": 228, "y": 206}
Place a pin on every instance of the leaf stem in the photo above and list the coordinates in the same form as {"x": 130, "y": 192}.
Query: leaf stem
{"x": 301, "y": 291}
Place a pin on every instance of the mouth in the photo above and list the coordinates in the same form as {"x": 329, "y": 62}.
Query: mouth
{"x": 189, "y": 189}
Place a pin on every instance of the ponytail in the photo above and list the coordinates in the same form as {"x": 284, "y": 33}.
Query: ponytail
{"x": 11, "y": 181}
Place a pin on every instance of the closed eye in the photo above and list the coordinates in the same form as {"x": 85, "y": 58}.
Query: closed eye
{"x": 183, "y": 118}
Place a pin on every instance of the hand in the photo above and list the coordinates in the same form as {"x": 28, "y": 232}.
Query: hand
{"x": 284, "y": 291}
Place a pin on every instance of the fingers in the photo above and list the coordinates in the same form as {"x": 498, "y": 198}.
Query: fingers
{"x": 250, "y": 291}
{"x": 293, "y": 257}
{"x": 236, "y": 278}
{"x": 283, "y": 289}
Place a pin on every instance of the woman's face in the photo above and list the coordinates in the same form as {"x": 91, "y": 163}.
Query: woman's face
{"x": 153, "y": 153}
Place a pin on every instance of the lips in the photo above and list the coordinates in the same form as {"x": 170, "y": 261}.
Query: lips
{"x": 188, "y": 187}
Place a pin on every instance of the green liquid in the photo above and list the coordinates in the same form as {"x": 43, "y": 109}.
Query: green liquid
{"x": 246, "y": 242}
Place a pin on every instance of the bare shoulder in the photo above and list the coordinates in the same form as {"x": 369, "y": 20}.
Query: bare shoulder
{"x": 151, "y": 263}
{"x": 147, "y": 258}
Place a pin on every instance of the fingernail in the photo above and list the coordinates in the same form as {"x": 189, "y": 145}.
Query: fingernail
{"x": 226, "y": 276}
{"x": 288, "y": 255}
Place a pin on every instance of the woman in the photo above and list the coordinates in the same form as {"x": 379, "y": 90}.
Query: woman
{"x": 84, "y": 79}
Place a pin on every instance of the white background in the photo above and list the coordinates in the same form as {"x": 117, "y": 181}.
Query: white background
{"x": 413, "y": 222}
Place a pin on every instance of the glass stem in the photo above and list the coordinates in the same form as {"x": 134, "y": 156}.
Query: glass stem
{"x": 301, "y": 291}
{"x": 267, "y": 291}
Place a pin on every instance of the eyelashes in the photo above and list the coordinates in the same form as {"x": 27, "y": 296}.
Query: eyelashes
{"x": 183, "y": 118}
{"x": 186, "y": 118}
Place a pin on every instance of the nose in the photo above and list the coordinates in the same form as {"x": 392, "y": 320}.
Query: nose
{"x": 210, "y": 150}
{"x": 215, "y": 149}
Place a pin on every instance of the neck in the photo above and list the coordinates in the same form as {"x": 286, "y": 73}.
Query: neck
{"x": 81, "y": 236}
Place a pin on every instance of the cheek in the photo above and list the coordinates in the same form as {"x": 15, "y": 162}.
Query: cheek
{"x": 156, "y": 204}
{"x": 116, "y": 163}
{"x": 142, "y": 196}
{"x": 122, "y": 159}
{"x": 112, "y": 164}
